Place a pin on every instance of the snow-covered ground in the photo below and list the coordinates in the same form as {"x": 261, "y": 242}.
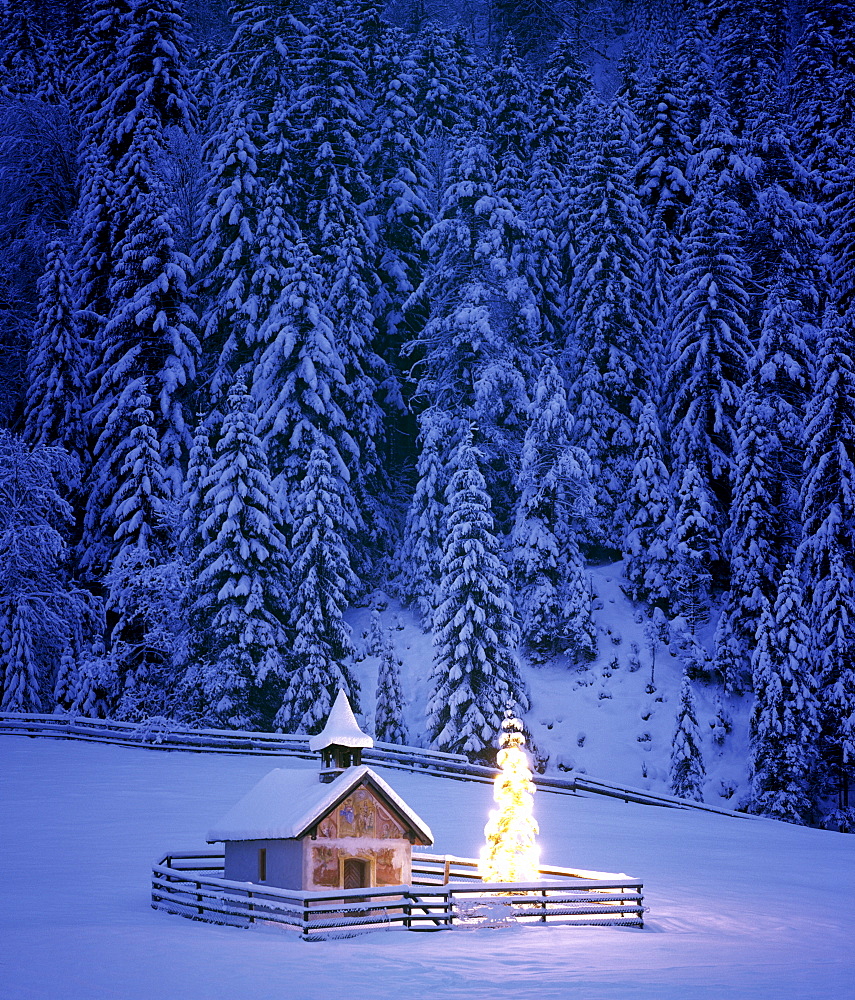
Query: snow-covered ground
{"x": 739, "y": 908}
{"x": 599, "y": 719}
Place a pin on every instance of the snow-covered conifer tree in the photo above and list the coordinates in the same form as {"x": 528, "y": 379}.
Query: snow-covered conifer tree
{"x": 511, "y": 128}
{"x": 754, "y": 536}
{"x": 785, "y": 244}
{"x": 834, "y": 659}
{"x": 65, "y": 685}
{"x": 267, "y": 274}
{"x": 565, "y": 81}
{"x": 694, "y": 544}
{"x": 534, "y": 24}
{"x": 443, "y": 95}
{"x": 143, "y": 591}
{"x": 279, "y": 223}
{"x": 226, "y": 253}
{"x": 588, "y": 137}
{"x": 418, "y": 563}
{"x": 722, "y": 723}
{"x": 144, "y": 599}
{"x": 481, "y": 338}
{"x": 589, "y": 120}
{"x": 259, "y": 56}
{"x": 782, "y": 372}
{"x": 828, "y": 521}
{"x": 560, "y": 132}
{"x": 648, "y": 514}
{"x": 321, "y": 583}
{"x": 92, "y": 229}
{"x": 103, "y": 31}
{"x": 95, "y": 684}
{"x": 240, "y": 581}
{"x": 402, "y": 191}
{"x": 710, "y": 340}
{"x": 149, "y": 77}
{"x": 553, "y": 589}
{"x": 91, "y": 247}
{"x": 764, "y": 520}
{"x": 373, "y": 37}
{"x": 369, "y": 381}
{"x": 474, "y": 239}
{"x": 822, "y": 87}
{"x": 19, "y": 667}
{"x": 750, "y": 41}
{"x": 784, "y": 722}
{"x": 55, "y": 366}
{"x": 194, "y": 500}
{"x": 828, "y": 488}
{"x": 41, "y": 610}
{"x": 31, "y": 61}
{"x": 659, "y": 284}
{"x": 388, "y": 714}
{"x": 149, "y": 337}
{"x": 328, "y": 120}
{"x": 579, "y": 606}
{"x": 301, "y": 386}
{"x": 475, "y": 668}
{"x": 841, "y": 218}
{"x": 660, "y": 172}
{"x": 543, "y": 248}
{"x": 138, "y": 507}
{"x": 607, "y": 355}
{"x": 695, "y": 71}
{"x": 687, "y": 772}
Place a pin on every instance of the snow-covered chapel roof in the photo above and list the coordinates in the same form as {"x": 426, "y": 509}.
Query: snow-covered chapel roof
{"x": 341, "y": 729}
{"x": 288, "y": 803}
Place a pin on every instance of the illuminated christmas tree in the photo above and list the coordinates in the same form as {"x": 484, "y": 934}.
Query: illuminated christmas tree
{"x": 511, "y": 854}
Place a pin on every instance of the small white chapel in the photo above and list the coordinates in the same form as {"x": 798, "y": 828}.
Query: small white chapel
{"x": 342, "y": 826}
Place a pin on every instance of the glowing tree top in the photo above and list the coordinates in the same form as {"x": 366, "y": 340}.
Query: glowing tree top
{"x": 511, "y": 854}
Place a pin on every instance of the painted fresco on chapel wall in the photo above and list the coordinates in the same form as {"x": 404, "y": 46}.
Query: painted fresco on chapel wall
{"x": 387, "y": 828}
{"x": 325, "y": 866}
{"x": 388, "y": 872}
{"x": 361, "y": 815}
{"x": 327, "y": 827}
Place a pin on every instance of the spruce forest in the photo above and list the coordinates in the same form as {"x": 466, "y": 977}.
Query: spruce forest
{"x": 302, "y": 302}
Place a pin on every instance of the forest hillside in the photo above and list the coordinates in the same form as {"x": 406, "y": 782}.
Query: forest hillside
{"x": 311, "y": 307}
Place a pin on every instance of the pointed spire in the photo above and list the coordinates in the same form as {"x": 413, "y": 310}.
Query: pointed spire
{"x": 341, "y": 741}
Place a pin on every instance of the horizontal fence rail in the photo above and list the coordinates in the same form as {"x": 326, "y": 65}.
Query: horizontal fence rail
{"x": 445, "y": 892}
{"x": 168, "y": 735}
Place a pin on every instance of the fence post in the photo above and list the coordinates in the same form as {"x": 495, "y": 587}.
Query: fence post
{"x": 199, "y": 905}
{"x": 250, "y": 908}
{"x": 446, "y": 871}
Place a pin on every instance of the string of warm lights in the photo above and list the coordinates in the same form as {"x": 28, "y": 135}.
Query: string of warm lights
{"x": 511, "y": 854}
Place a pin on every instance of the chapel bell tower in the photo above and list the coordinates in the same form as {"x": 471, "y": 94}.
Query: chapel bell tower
{"x": 341, "y": 742}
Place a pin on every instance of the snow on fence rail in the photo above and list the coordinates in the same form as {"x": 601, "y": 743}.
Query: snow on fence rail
{"x": 445, "y": 892}
{"x": 164, "y": 734}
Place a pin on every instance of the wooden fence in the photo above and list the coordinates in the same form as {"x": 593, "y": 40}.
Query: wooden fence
{"x": 167, "y": 735}
{"x": 445, "y": 892}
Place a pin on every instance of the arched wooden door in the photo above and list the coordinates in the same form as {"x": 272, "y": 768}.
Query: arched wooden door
{"x": 356, "y": 873}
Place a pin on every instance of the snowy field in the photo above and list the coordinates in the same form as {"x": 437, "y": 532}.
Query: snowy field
{"x": 739, "y": 908}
